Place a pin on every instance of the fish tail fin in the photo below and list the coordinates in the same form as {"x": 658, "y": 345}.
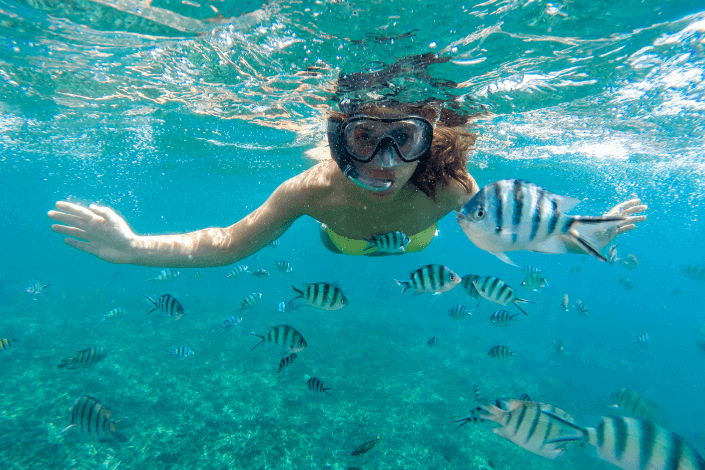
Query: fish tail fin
{"x": 63, "y": 363}
{"x": 405, "y": 285}
{"x": 471, "y": 418}
{"x": 300, "y": 292}
{"x": 325, "y": 390}
{"x": 583, "y": 431}
{"x": 151, "y": 300}
{"x": 522, "y": 301}
{"x": 261, "y": 337}
{"x": 583, "y": 230}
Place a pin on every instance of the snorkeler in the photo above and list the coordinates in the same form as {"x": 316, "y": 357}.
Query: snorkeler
{"x": 394, "y": 167}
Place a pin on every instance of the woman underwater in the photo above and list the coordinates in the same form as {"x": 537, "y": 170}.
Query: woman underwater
{"x": 394, "y": 167}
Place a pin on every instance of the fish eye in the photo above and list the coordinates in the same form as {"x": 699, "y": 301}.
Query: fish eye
{"x": 452, "y": 277}
{"x": 479, "y": 213}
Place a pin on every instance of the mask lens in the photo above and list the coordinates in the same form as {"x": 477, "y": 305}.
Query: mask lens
{"x": 411, "y": 136}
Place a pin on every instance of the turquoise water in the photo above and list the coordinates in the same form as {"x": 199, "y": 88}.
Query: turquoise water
{"x": 180, "y": 118}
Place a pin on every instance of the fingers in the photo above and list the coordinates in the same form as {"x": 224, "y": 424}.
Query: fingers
{"x": 624, "y": 229}
{"x": 74, "y": 209}
{"x": 79, "y": 245}
{"x": 70, "y": 231}
{"x": 65, "y": 218}
{"x": 107, "y": 213}
{"x": 635, "y": 219}
{"x": 635, "y": 209}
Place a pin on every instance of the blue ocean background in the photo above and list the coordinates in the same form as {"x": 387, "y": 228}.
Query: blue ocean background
{"x": 179, "y": 122}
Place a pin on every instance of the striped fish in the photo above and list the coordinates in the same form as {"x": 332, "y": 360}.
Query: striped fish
{"x": 285, "y": 362}
{"x": 643, "y": 341}
{"x": 114, "y": 313}
{"x": 466, "y": 283}
{"x": 495, "y": 290}
{"x": 322, "y": 295}
{"x": 237, "y": 271}
{"x": 694, "y": 272}
{"x": 564, "y": 302}
{"x": 287, "y": 306}
{"x": 500, "y": 352}
{"x": 35, "y": 288}
{"x": 391, "y": 242}
{"x": 433, "y": 341}
{"x": 165, "y": 275}
{"x": 434, "y": 278}
{"x": 230, "y": 322}
{"x": 581, "y": 308}
{"x": 250, "y": 301}
{"x": 284, "y": 338}
{"x": 634, "y": 444}
{"x": 182, "y": 351}
{"x": 167, "y": 306}
{"x": 534, "y": 281}
{"x": 274, "y": 243}
{"x": 502, "y": 318}
{"x": 83, "y": 359}
{"x": 633, "y": 404}
{"x": 460, "y": 311}
{"x": 92, "y": 420}
{"x": 5, "y": 343}
{"x": 531, "y": 269}
{"x": 198, "y": 274}
{"x": 316, "y": 386}
{"x": 283, "y": 266}
{"x": 524, "y": 424}
{"x": 261, "y": 273}
{"x": 524, "y": 397}
{"x": 512, "y": 215}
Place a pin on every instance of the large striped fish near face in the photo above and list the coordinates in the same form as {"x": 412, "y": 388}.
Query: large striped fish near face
{"x": 284, "y": 338}
{"x": 634, "y": 444}
{"x": 83, "y": 359}
{"x": 496, "y": 290}
{"x": 322, "y": 295}
{"x": 524, "y": 424}
{"x": 512, "y": 215}
{"x": 92, "y": 420}
{"x": 434, "y": 278}
{"x": 167, "y": 305}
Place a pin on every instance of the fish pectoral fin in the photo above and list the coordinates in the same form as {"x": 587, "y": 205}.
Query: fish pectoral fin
{"x": 505, "y": 258}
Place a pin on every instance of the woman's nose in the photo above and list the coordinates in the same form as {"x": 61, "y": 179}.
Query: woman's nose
{"x": 387, "y": 158}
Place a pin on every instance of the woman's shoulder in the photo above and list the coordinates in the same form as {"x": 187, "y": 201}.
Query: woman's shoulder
{"x": 455, "y": 195}
{"x": 316, "y": 187}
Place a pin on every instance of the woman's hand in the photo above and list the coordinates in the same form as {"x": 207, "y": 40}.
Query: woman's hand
{"x": 107, "y": 234}
{"x": 628, "y": 210}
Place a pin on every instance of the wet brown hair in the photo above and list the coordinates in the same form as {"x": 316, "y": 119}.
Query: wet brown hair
{"x": 450, "y": 146}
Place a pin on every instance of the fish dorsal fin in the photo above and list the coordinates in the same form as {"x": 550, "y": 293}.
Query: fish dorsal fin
{"x": 564, "y": 203}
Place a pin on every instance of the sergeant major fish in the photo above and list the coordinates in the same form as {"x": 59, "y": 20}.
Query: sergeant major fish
{"x": 182, "y": 351}
{"x": 167, "y": 305}
{"x": 287, "y": 306}
{"x": 285, "y": 362}
{"x": 165, "y": 275}
{"x": 633, "y": 404}
{"x": 391, "y": 242}
{"x": 92, "y": 420}
{"x": 322, "y": 295}
{"x": 500, "y": 352}
{"x": 83, "y": 359}
{"x": 229, "y": 323}
{"x": 633, "y": 444}
{"x": 564, "y": 302}
{"x": 114, "y": 313}
{"x": 496, "y": 290}
{"x": 466, "y": 283}
{"x": 502, "y": 318}
{"x": 534, "y": 281}
{"x": 284, "y": 338}
{"x": 316, "y": 386}
{"x": 434, "y": 278}
{"x": 35, "y": 288}
{"x": 284, "y": 267}
{"x": 511, "y": 215}
{"x": 460, "y": 311}
{"x": 5, "y": 343}
{"x": 237, "y": 271}
{"x": 261, "y": 273}
{"x": 250, "y": 301}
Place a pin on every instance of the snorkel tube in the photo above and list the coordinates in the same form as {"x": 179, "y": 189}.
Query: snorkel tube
{"x": 345, "y": 162}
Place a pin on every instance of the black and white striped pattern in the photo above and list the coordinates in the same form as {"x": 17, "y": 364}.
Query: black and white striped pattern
{"x": 164, "y": 275}
{"x": 512, "y": 215}
{"x": 391, "y": 242}
{"x": 198, "y": 274}
{"x": 502, "y": 318}
{"x": 181, "y": 351}
{"x": 459, "y": 312}
{"x": 250, "y": 301}
{"x": 91, "y": 419}
{"x": 500, "y": 352}
{"x": 287, "y": 306}
{"x": 580, "y": 308}
{"x": 322, "y": 295}
{"x": 433, "y": 341}
{"x": 466, "y": 283}
{"x": 261, "y": 273}
{"x": 534, "y": 281}
{"x": 431, "y": 278}
{"x": 284, "y": 338}
{"x": 5, "y": 343}
{"x": 694, "y": 272}
{"x": 496, "y": 290}
{"x": 34, "y": 288}
{"x": 83, "y": 359}
{"x": 229, "y": 323}
{"x": 524, "y": 424}
{"x": 633, "y": 404}
{"x": 635, "y": 444}
{"x": 285, "y": 362}
{"x": 284, "y": 267}
{"x": 114, "y": 313}
{"x": 237, "y": 271}
{"x": 316, "y": 386}
{"x": 167, "y": 306}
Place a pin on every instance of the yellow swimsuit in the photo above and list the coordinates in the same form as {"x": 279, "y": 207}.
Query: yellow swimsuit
{"x": 351, "y": 246}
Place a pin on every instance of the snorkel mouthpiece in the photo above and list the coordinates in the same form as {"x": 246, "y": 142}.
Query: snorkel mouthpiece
{"x": 351, "y": 173}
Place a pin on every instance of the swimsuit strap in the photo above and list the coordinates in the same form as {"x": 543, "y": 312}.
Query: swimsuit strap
{"x": 351, "y": 246}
